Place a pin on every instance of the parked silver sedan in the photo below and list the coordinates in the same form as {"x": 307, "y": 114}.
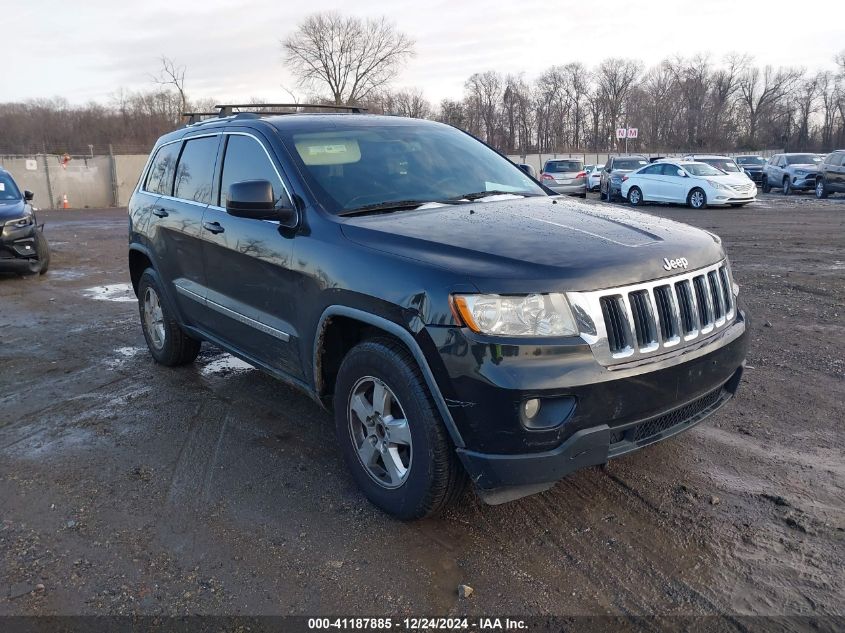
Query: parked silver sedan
{"x": 565, "y": 175}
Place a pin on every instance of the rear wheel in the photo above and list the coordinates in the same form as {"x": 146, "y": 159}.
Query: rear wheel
{"x": 821, "y": 189}
{"x": 697, "y": 199}
{"x": 167, "y": 341}
{"x": 391, "y": 434}
{"x": 766, "y": 186}
{"x": 786, "y": 187}
{"x": 635, "y": 196}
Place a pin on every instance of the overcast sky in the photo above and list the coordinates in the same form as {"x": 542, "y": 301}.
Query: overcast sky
{"x": 87, "y": 49}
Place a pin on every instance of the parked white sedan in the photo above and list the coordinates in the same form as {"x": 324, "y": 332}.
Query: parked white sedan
{"x": 687, "y": 182}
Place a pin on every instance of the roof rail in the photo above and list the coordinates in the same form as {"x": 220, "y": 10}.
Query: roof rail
{"x": 229, "y": 109}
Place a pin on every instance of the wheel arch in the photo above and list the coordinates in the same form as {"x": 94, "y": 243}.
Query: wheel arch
{"x": 354, "y": 325}
{"x": 139, "y": 261}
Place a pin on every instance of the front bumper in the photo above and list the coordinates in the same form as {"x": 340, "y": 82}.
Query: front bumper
{"x": 804, "y": 183}
{"x": 506, "y": 460}
{"x": 17, "y": 248}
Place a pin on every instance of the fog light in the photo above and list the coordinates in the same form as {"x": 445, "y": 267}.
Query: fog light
{"x": 530, "y": 408}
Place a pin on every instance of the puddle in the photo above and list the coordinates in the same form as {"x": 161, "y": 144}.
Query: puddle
{"x": 66, "y": 274}
{"x": 226, "y": 364}
{"x": 111, "y": 292}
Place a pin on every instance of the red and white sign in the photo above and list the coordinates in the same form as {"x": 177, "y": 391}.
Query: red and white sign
{"x": 633, "y": 132}
{"x": 621, "y": 132}
{"x": 630, "y": 132}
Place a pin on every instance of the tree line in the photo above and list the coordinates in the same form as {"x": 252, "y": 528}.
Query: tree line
{"x": 683, "y": 103}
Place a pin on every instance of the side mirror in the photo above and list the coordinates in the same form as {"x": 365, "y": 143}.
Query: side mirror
{"x": 528, "y": 169}
{"x": 682, "y": 173}
{"x": 28, "y": 195}
{"x": 254, "y": 199}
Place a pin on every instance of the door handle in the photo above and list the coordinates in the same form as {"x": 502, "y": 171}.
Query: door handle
{"x": 213, "y": 227}
{"x": 161, "y": 213}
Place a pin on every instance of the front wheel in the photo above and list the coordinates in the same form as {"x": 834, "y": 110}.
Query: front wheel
{"x": 767, "y": 188}
{"x": 786, "y": 187}
{"x": 821, "y": 189}
{"x": 167, "y": 341}
{"x": 391, "y": 434}
{"x": 43, "y": 249}
{"x": 635, "y": 196}
{"x": 697, "y": 199}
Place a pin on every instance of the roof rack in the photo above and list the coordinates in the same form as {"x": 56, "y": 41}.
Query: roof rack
{"x": 257, "y": 108}
{"x": 196, "y": 117}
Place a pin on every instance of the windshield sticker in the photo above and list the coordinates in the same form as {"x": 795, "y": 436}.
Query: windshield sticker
{"x": 2, "y": 186}
{"x": 328, "y": 151}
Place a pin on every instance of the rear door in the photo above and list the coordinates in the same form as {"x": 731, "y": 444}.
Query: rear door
{"x": 251, "y": 287}
{"x": 649, "y": 181}
{"x": 181, "y": 173}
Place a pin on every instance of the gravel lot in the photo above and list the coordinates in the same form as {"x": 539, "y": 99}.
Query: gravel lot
{"x": 128, "y": 488}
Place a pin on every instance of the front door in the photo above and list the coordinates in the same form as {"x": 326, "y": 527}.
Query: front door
{"x": 251, "y": 289}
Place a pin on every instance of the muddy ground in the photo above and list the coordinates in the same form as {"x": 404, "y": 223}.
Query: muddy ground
{"x": 127, "y": 488}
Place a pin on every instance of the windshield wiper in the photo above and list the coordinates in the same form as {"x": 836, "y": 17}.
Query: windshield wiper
{"x": 392, "y": 205}
{"x": 484, "y": 194}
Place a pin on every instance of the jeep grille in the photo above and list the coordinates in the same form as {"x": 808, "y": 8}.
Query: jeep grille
{"x": 656, "y": 317}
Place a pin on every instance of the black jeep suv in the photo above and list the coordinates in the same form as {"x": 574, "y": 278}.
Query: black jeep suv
{"x": 461, "y": 322}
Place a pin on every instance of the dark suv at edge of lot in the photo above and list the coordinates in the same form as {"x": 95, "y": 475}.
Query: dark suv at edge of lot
{"x": 831, "y": 174}
{"x": 460, "y": 322}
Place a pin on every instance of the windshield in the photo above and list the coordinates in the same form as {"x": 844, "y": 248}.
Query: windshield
{"x": 701, "y": 169}
{"x": 629, "y": 163}
{"x": 803, "y": 159}
{"x": 353, "y": 166}
{"x": 751, "y": 160}
{"x": 557, "y": 166}
{"x": 8, "y": 189}
{"x": 725, "y": 164}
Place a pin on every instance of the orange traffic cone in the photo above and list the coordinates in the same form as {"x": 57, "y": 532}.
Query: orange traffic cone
{"x": 65, "y": 203}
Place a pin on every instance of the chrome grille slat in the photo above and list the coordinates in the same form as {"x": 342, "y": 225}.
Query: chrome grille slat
{"x": 650, "y": 318}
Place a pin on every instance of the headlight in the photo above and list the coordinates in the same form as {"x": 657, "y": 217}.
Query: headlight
{"x": 523, "y": 315}
{"x": 22, "y": 222}
{"x": 718, "y": 185}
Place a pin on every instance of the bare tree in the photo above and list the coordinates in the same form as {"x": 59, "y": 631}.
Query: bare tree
{"x": 615, "y": 79}
{"x": 761, "y": 90}
{"x": 173, "y": 75}
{"x": 409, "y": 102}
{"x": 484, "y": 92}
{"x": 353, "y": 58}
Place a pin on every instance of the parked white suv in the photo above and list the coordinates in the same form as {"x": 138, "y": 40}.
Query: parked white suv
{"x": 687, "y": 182}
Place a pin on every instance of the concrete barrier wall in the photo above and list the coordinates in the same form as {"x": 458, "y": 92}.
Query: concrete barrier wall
{"x": 127, "y": 171}
{"x": 98, "y": 181}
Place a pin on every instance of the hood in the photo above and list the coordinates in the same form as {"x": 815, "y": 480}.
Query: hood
{"x": 541, "y": 244}
{"x": 11, "y": 209}
{"x": 804, "y": 166}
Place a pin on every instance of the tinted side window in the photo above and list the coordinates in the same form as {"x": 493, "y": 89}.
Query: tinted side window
{"x": 195, "y": 170}
{"x": 651, "y": 169}
{"x": 160, "y": 178}
{"x": 246, "y": 160}
{"x": 837, "y": 159}
{"x": 667, "y": 169}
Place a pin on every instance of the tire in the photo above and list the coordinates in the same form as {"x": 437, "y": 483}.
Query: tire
{"x": 767, "y": 188}
{"x": 43, "y": 249}
{"x": 168, "y": 343}
{"x": 697, "y": 199}
{"x": 786, "y": 187}
{"x": 635, "y": 196}
{"x": 821, "y": 189}
{"x": 425, "y": 476}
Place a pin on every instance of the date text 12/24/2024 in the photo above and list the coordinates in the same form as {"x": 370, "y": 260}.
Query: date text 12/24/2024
{"x": 417, "y": 624}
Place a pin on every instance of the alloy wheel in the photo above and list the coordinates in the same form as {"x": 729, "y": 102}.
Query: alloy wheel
{"x": 153, "y": 318}
{"x": 379, "y": 432}
{"x": 697, "y": 199}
